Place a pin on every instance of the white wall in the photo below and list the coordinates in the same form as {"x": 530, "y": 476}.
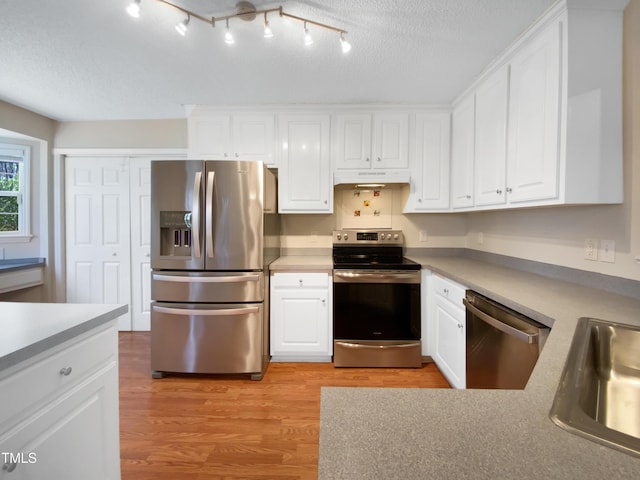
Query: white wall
{"x": 557, "y": 235}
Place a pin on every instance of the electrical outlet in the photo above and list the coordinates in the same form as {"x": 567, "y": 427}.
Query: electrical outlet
{"x": 423, "y": 236}
{"x": 591, "y": 249}
{"x": 607, "y": 251}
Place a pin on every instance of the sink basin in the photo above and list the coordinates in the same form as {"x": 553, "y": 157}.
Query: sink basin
{"x": 599, "y": 392}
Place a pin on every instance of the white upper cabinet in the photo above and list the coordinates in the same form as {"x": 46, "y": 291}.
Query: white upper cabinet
{"x": 491, "y": 138}
{"x": 548, "y": 116}
{"x": 237, "y": 136}
{"x": 304, "y": 174}
{"x": 352, "y": 140}
{"x": 463, "y": 153}
{"x": 430, "y": 179}
{"x": 533, "y": 155}
{"x": 364, "y": 141}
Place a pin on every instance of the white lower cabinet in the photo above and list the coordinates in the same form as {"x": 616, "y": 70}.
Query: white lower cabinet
{"x": 59, "y": 414}
{"x": 447, "y": 328}
{"x": 301, "y": 317}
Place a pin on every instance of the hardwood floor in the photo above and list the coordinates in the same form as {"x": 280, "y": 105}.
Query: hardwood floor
{"x": 206, "y": 427}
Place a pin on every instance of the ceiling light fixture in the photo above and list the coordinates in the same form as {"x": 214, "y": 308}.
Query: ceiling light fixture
{"x": 183, "y": 26}
{"x": 308, "y": 39}
{"x": 268, "y": 33}
{"x": 246, "y": 11}
{"x": 134, "y": 9}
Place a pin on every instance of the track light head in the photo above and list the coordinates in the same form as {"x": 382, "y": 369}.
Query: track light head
{"x": 228, "y": 38}
{"x": 268, "y": 33}
{"x": 183, "y": 26}
{"x": 344, "y": 44}
{"x": 134, "y": 9}
{"x": 308, "y": 39}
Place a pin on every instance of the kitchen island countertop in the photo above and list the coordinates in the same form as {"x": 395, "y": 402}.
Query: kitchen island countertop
{"x": 414, "y": 433}
{"x": 31, "y": 328}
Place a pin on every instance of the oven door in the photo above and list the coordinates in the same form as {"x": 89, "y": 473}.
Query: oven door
{"x": 376, "y": 318}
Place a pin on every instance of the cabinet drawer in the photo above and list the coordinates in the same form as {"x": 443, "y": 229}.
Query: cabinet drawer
{"x": 301, "y": 280}
{"x": 64, "y": 367}
{"x": 452, "y": 291}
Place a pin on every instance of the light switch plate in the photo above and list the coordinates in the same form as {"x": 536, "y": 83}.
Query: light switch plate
{"x": 607, "y": 251}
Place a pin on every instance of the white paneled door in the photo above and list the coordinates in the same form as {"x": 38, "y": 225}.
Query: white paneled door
{"x": 97, "y": 232}
{"x": 108, "y": 238}
{"x": 140, "y": 207}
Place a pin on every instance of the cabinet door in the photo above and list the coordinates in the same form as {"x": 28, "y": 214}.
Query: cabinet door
{"x": 463, "y": 153}
{"x": 491, "y": 139}
{"x": 432, "y": 161}
{"x": 74, "y": 437}
{"x": 449, "y": 331}
{"x": 353, "y": 142}
{"x": 253, "y": 138}
{"x": 300, "y": 321}
{"x": 304, "y": 173}
{"x": 534, "y": 112}
{"x": 210, "y": 137}
{"x": 390, "y": 141}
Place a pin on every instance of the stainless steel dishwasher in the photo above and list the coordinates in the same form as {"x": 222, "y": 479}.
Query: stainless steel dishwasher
{"x": 502, "y": 345}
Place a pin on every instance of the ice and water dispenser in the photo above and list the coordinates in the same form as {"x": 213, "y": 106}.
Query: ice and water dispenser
{"x": 175, "y": 233}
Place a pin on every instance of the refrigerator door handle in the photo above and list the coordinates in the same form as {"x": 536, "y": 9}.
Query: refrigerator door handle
{"x": 226, "y": 279}
{"x": 195, "y": 218}
{"x": 212, "y": 313}
{"x": 209, "y": 213}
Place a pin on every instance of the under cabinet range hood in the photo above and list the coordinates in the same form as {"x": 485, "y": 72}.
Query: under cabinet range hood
{"x": 363, "y": 177}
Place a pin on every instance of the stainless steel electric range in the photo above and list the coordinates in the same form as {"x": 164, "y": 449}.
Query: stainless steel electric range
{"x": 376, "y": 301}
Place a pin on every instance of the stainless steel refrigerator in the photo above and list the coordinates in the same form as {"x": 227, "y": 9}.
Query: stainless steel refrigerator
{"x": 215, "y": 229}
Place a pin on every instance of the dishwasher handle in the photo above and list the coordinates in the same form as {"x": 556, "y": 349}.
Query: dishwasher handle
{"x": 503, "y": 327}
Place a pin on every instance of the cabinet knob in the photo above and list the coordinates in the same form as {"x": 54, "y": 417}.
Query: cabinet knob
{"x": 325, "y": 202}
{"x": 379, "y": 159}
{"x": 468, "y": 197}
{"x": 225, "y": 155}
{"x": 237, "y": 156}
{"x": 499, "y": 192}
{"x": 300, "y": 281}
{"x": 460, "y": 325}
{"x": 366, "y": 159}
{"x": 9, "y": 467}
{"x": 446, "y": 291}
{"x": 323, "y": 301}
{"x": 509, "y": 190}
{"x": 420, "y": 200}
{"x": 66, "y": 371}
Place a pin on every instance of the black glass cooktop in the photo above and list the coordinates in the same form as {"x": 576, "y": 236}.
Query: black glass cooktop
{"x": 388, "y": 258}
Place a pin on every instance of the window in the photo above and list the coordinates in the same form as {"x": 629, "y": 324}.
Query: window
{"x": 14, "y": 190}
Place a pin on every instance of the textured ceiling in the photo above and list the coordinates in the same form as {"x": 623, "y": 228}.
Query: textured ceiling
{"x": 89, "y": 60}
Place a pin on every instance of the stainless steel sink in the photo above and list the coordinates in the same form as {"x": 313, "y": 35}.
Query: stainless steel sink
{"x": 599, "y": 393}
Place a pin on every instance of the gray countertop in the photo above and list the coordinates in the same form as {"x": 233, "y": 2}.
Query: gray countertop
{"x": 20, "y": 264}
{"x": 31, "y": 328}
{"x": 305, "y": 263}
{"x": 494, "y": 434}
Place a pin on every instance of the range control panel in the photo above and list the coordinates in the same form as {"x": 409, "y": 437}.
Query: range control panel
{"x": 368, "y": 237}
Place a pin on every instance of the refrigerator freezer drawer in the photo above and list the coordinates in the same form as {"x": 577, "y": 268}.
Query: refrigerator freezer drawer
{"x": 221, "y": 338}
{"x": 207, "y": 287}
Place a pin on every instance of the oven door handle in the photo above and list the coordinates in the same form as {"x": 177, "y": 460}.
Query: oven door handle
{"x": 378, "y": 275}
{"x": 503, "y": 327}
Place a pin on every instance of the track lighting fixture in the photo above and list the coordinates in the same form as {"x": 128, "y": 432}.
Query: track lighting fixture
{"x": 245, "y": 11}
{"x": 134, "y": 9}
{"x": 183, "y": 26}
{"x": 308, "y": 39}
